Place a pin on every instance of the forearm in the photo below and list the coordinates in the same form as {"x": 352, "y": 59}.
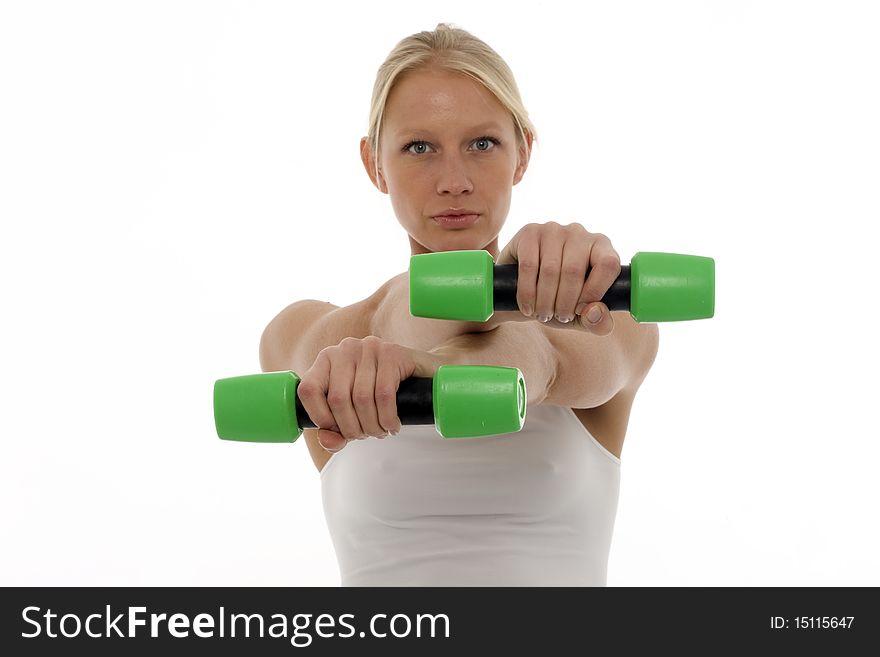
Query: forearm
{"x": 511, "y": 344}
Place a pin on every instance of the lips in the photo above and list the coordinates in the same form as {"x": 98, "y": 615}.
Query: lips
{"x": 456, "y": 220}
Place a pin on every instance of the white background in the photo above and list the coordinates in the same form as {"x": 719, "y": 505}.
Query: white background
{"x": 172, "y": 174}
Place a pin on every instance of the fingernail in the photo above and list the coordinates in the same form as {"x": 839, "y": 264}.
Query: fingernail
{"x": 580, "y": 309}
{"x": 544, "y": 318}
{"x": 564, "y": 320}
{"x": 527, "y": 310}
{"x": 594, "y": 315}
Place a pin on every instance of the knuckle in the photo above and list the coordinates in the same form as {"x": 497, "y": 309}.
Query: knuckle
{"x": 387, "y": 348}
{"x": 550, "y": 267}
{"x": 572, "y": 269}
{"x": 610, "y": 258}
{"x": 528, "y": 266}
{"x": 336, "y": 399}
{"x": 385, "y": 394}
{"x": 306, "y": 389}
{"x": 611, "y": 262}
{"x": 362, "y": 397}
{"x": 352, "y": 346}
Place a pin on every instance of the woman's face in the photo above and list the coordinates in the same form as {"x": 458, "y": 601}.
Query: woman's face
{"x": 447, "y": 143}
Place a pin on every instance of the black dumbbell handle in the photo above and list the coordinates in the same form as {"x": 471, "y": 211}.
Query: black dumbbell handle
{"x": 504, "y": 289}
{"x": 415, "y": 403}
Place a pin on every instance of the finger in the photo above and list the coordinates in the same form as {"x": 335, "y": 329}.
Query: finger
{"x": 342, "y": 373}
{"x": 601, "y": 326}
{"x": 387, "y": 384}
{"x": 312, "y": 392}
{"x": 528, "y": 258}
{"x": 575, "y": 255}
{"x": 552, "y": 242}
{"x": 604, "y": 269}
{"x": 363, "y": 393}
{"x": 331, "y": 441}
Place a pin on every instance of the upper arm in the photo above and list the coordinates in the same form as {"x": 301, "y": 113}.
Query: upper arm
{"x": 295, "y": 337}
{"x": 591, "y": 370}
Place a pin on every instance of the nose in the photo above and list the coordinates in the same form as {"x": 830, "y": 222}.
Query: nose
{"x": 453, "y": 178}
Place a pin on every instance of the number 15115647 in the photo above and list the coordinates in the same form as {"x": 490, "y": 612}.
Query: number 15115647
{"x": 812, "y": 622}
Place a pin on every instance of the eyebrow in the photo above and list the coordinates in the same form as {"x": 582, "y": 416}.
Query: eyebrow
{"x": 491, "y": 125}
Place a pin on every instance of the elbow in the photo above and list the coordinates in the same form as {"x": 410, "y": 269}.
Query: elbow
{"x": 268, "y": 352}
{"x": 265, "y": 352}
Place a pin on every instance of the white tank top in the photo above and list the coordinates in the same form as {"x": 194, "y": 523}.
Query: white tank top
{"x": 532, "y": 508}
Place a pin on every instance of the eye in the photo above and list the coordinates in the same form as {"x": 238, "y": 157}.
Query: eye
{"x": 419, "y": 144}
{"x": 414, "y": 143}
{"x": 486, "y": 140}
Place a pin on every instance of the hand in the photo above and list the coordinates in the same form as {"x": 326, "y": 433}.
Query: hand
{"x": 553, "y": 282}
{"x": 350, "y": 391}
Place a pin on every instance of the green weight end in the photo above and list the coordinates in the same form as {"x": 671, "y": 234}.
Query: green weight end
{"x": 257, "y": 408}
{"x": 452, "y": 285}
{"x": 671, "y": 287}
{"x": 478, "y": 401}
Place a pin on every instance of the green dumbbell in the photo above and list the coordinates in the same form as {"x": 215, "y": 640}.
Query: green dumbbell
{"x": 469, "y": 286}
{"x": 461, "y": 401}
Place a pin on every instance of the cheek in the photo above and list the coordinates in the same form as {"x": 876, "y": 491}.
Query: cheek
{"x": 409, "y": 183}
{"x": 502, "y": 188}
{"x": 500, "y": 175}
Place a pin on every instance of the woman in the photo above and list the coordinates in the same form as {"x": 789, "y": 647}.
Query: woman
{"x": 448, "y": 138}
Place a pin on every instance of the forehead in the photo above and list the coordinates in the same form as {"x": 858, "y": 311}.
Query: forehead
{"x": 440, "y": 99}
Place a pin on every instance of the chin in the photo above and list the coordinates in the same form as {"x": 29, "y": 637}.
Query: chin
{"x": 463, "y": 243}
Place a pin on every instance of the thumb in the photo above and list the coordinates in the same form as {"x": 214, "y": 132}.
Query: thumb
{"x": 331, "y": 441}
{"x": 421, "y": 364}
{"x": 597, "y": 319}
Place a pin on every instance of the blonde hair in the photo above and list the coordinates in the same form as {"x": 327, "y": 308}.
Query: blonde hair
{"x": 452, "y": 49}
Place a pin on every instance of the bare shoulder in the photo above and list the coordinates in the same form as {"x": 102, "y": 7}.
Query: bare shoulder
{"x": 278, "y": 341}
{"x": 293, "y": 338}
